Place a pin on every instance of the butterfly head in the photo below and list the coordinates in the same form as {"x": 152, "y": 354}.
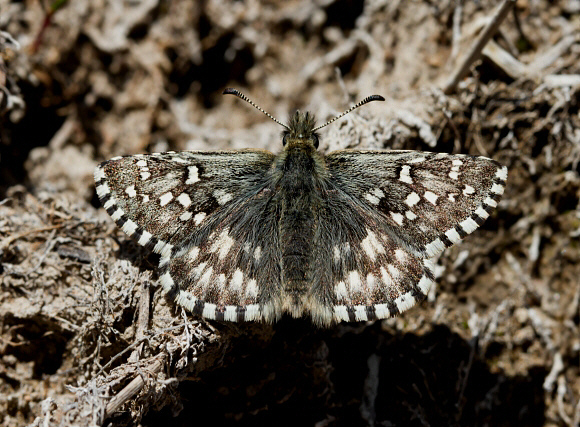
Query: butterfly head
{"x": 300, "y": 130}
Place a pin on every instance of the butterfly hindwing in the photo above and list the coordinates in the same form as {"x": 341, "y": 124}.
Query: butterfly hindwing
{"x": 160, "y": 199}
{"x": 230, "y": 271}
{"x": 362, "y": 271}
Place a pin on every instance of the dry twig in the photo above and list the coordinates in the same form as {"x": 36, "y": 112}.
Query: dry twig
{"x": 475, "y": 51}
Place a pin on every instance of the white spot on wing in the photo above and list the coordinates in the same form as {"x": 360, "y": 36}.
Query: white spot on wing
{"x": 379, "y": 193}
{"x": 109, "y": 203}
{"x": 341, "y": 313}
{"x": 354, "y": 282}
{"x": 336, "y": 252}
{"x": 192, "y": 175}
{"x": 145, "y": 237}
{"x": 400, "y": 255}
{"x": 453, "y": 235}
{"x": 417, "y": 160}
{"x": 103, "y": 190}
{"x": 165, "y": 198}
{"x": 372, "y": 199}
{"x": 410, "y": 215}
{"x": 406, "y": 174}
{"x": 209, "y": 311}
{"x": 199, "y": 217}
{"x": 387, "y": 279}
{"x": 340, "y": 290}
{"x": 129, "y": 227}
{"x": 397, "y": 217}
{"x": 117, "y": 214}
{"x": 193, "y": 253}
{"x": 166, "y": 282}
{"x": 179, "y": 160}
{"x": 99, "y": 173}
{"x": 412, "y": 199}
{"x": 185, "y": 216}
{"x": 204, "y": 281}
{"x": 371, "y": 281}
{"x": 360, "y": 313}
{"x": 431, "y": 197}
{"x": 251, "y": 289}
{"x": 159, "y": 247}
{"x": 237, "y": 280}
{"x": 230, "y": 314}
{"x": 223, "y": 244}
{"x": 221, "y": 281}
{"x": 468, "y": 190}
{"x": 502, "y": 173}
{"x": 382, "y": 311}
{"x": 198, "y": 271}
{"x": 142, "y": 163}
{"x": 393, "y": 271}
{"x": 469, "y": 225}
{"x": 482, "y": 213}
{"x": 490, "y": 202}
{"x": 371, "y": 245}
{"x": 434, "y": 248}
{"x": 252, "y": 312}
{"x": 257, "y": 253}
{"x": 497, "y": 189}
{"x": 185, "y": 299}
{"x": 405, "y": 302}
{"x": 184, "y": 200}
{"x": 222, "y": 197}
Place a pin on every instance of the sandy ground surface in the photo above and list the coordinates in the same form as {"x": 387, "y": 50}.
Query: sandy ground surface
{"x": 82, "y": 319}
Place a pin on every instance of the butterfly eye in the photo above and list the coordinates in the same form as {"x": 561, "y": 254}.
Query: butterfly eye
{"x": 284, "y": 139}
{"x": 315, "y": 140}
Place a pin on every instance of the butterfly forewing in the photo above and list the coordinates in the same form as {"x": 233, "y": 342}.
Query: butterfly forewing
{"x": 428, "y": 201}
{"x": 160, "y": 199}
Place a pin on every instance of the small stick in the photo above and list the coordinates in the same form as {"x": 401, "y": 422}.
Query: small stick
{"x": 8, "y": 240}
{"x": 475, "y": 50}
{"x": 130, "y": 390}
{"x": 142, "y": 320}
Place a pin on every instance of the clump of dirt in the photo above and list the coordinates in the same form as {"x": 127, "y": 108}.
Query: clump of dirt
{"x": 86, "y": 336}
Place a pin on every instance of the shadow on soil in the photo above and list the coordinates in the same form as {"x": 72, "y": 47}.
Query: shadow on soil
{"x": 355, "y": 375}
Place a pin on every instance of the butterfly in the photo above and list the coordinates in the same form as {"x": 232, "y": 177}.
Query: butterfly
{"x": 247, "y": 235}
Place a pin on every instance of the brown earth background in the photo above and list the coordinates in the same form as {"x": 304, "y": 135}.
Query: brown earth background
{"x": 86, "y": 336}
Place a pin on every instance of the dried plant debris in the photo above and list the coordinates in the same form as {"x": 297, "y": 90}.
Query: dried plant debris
{"x": 86, "y": 335}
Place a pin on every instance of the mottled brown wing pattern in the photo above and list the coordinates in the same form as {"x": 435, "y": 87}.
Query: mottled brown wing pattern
{"x": 429, "y": 200}
{"x": 411, "y": 206}
{"x": 234, "y": 272}
{"x": 161, "y": 199}
{"x": 382, "y": 217}
{"x": 362, "y": 271}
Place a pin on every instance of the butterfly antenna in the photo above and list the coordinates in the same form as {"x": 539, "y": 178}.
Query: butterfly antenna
{"x": 354, "y": 107}
{"x": 232, "y": 91}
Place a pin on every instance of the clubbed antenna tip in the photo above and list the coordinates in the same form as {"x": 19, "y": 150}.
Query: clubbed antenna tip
{"x": 354, "y": 107}
{"x": 232, "y": 91}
